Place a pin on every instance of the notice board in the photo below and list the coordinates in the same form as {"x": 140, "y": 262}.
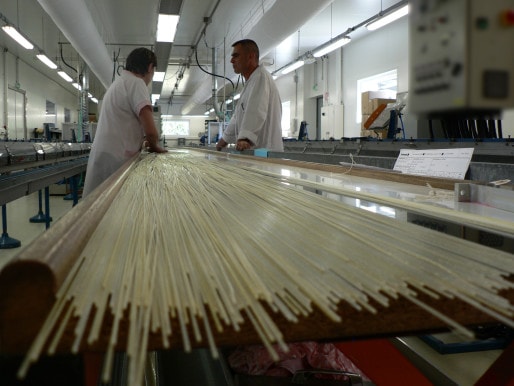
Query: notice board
{"x": 445, "y": 163}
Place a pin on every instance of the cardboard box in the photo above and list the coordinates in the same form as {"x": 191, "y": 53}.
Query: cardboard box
{"x": 377, "y": 133}
{"x": 370, "y": 100}
{"x": 364, "y": 119}
{"x": 379, "y": 101}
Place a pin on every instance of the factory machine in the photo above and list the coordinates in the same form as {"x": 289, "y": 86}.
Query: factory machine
{"x": 451, "y": 76}
{"x": 26, "y": 167}
{"x": 458, "y": 57}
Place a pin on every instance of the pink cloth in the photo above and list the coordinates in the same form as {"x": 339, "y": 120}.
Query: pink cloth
{"x": 256, "y": 360}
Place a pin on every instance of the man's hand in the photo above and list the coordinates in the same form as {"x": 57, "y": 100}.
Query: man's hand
{"x": 221, "y": 144}
{"x": 156, "y": 148}
{"x": 243, "y": 144}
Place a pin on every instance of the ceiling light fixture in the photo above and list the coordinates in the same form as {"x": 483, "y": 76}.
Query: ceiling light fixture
{"x": 77, "y": 86}
{"x": 20, "y": 39}
{"x": 293, "y": 66}
{"x": 94, "y": 100}
{"x": 167, "y": 27}
{"x": 331, "y": 46}
{"x": 65, "y": 76}
{"x": 46, "y": 61}
{"x": 388, "y": 18}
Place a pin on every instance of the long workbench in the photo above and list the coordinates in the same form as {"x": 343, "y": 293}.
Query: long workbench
{"x": 29, "y": 283}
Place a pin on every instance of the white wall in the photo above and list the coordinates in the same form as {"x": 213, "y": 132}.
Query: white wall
{"x": 38, "y": 89}
{"x": 335, "y": 79}
{"x": 302, "y": 87}
{"x": 383, "y": 50}
{"x": 290, "y": 91}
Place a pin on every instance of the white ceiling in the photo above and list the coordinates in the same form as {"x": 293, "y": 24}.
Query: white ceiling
{"x": 205, "y": 27}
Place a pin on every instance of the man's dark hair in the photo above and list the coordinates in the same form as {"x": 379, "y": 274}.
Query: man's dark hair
{"x": 139, "y": 60}
{"x": 249, "y": 45}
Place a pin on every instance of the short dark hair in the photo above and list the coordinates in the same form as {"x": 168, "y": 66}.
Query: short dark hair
{"x": 139, "y": 60}
{"x": 249, "y": 45}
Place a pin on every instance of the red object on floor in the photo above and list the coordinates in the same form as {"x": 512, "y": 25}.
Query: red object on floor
{"x": 383, "y": 363}
{"x": 92, "y": 367}
{"x": 501, "y": 372}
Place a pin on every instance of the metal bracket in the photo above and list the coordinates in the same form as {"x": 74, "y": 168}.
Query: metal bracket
{"x": 496, "y": 197}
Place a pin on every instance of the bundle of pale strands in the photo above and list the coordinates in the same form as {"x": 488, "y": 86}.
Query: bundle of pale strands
{"x": 194, "y": 240}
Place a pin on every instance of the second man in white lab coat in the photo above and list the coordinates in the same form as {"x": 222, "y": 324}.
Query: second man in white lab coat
{"x": 256, "y": 122}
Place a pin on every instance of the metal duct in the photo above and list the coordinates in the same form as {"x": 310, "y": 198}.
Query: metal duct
{"x": 283, "y": 19}
{"x": 73, "y": 18}
{"x": 215, "y": 103}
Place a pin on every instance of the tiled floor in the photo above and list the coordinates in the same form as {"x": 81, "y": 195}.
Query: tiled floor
{"x": 19, "y": 227}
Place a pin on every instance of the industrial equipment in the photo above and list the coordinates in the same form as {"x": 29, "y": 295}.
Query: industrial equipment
{"x": 460, "y": 61}
{"x": 26, "y": 167}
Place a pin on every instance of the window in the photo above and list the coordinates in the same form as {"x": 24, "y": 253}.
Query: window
{"x": 286, "y": 119}
{"x": 386, "y": 81}
{"x": 175, "y": 127}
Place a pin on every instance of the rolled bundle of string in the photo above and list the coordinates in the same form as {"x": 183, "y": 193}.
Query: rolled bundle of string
{"x": 207, "y": 244}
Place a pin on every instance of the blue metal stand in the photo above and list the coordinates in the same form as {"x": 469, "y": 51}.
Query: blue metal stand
{"x": 74, "y": 191}
{"x": 40, "y": 216}
{"x": 47, "y": 207}
{"x": 6, "y": 241}
{"x": 393, "y": 129}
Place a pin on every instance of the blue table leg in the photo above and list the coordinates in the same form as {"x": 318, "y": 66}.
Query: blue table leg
{"x": 6, "y": 241}
{"x": 40, "y": 216}
{"x": 47, "y": 207}
{"x": 74, "y": 190}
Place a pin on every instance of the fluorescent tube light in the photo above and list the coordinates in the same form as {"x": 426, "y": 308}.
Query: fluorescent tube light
{"x": 158, "y": 76}
{"x": 47, "y": 61}
{"x": 94, "y": 100}
{"x": 389, "y": 18}
{"x": 13, "y": 32}
{"x": 167, "y": 27}
{"x": 293, "y": 67}
{"x": 77, "y": 86}
{"x": 65, "y": 76}
{"x": 331, "y": 47}
{"x": 237, "y": 96}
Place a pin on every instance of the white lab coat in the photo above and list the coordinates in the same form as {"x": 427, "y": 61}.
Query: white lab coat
{"x": 258, "y": 113}
{"x": 119, "y": 133}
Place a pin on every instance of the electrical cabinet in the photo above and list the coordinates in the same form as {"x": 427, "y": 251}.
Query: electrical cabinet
{"x": 460, "y": 56}
{"x": 332, "y": 122}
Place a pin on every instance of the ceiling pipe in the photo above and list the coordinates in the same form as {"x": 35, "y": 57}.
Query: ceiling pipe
{"x": 215, "y": 103}
{"x": 284, "y": 18}
{"x": 74, "y": 20}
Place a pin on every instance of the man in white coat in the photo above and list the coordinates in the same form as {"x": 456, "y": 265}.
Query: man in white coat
{"x": 126, "y": 120}
{"x": 256, "y": 122}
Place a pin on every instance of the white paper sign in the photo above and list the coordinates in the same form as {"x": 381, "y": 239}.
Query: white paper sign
{"x": 446, "y": 163}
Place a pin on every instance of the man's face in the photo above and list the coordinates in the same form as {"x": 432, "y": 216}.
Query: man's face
{"x": 240, "y": 59}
